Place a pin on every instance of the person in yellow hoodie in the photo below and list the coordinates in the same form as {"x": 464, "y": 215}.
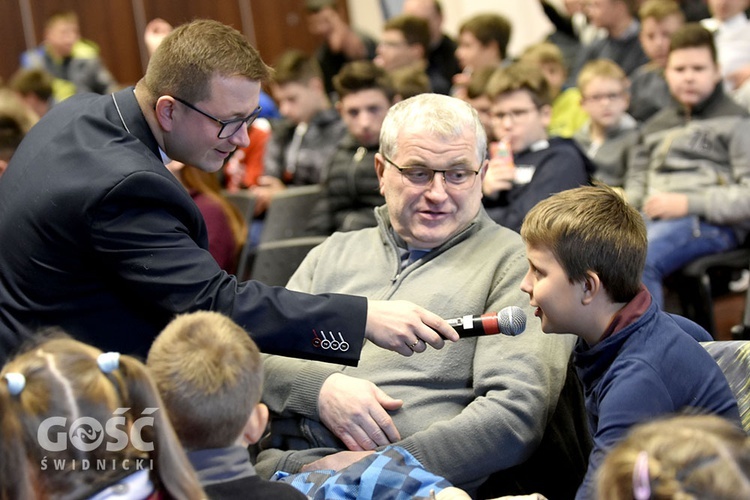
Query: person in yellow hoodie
{"x": 567, "y": 114}
{"x": 72, "y": 61}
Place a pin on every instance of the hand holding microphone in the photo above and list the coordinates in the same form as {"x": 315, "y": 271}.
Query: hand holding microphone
{"x": 510, "y": 320}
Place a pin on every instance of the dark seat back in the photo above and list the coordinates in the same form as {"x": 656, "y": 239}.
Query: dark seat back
{"x": 275, "y": 261}
{"x": 288, "y": 212}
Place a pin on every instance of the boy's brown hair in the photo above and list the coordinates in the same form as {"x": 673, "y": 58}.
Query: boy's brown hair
{"x": 410, "y": 81}
{"x": 415, "y": 30}
{"x": 294, "y": 66}
{"x": 592, "y": 228}
{"x": 521, "y": 76}
{"x": 32, "y": 81}
{"x": 488, "y": 28}
{"x": 601, "y": 68}
{"x": 357, "y": 76}
{"x": 210, "y": 375}
{"x": 691, "y": 36}
{"x": 478, "y": 82}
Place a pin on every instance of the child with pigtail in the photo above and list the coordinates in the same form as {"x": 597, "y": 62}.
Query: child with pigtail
{"x": 79, "y": 423}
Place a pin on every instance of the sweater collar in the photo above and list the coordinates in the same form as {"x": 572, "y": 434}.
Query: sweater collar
{"x": 629, "y": 314}
{"x": 389, "y": 235}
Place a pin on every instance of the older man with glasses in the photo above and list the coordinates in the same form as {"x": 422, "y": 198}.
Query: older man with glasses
{"x": 479, "y": 406}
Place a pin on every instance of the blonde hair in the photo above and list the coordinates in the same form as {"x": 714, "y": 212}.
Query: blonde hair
{"x": 210, "y": 375}
{"x": 601, "y": 68}
{"x": 543, "y": 53}
{"x": 591, "y": 228}
{"x": 64, "y": 380}
{"x": 660, "y": 10}
{"x": 680, "y": 458}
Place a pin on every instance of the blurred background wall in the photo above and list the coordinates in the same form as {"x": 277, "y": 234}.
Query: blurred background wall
{"x": 271, "y": 25}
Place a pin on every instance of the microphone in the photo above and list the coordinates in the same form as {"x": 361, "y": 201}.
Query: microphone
{"x": 510, "y": 320}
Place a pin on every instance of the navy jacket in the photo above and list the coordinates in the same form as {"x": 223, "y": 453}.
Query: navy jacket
{"x": 100, "y": 239}
{"x": 652, "y": 368}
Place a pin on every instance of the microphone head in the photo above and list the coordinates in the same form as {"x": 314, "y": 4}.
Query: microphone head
{"x": 512, "y": 320}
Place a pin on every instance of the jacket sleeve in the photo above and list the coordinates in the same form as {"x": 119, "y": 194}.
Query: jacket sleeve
{"x": 153, "y": 243}
{"x": 292, "y": 386}
{"x": 728, "y": 202}
{"x": 636, "y": 175}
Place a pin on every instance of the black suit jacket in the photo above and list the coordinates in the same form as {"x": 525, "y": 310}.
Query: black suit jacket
{"x": 98, "y": 237}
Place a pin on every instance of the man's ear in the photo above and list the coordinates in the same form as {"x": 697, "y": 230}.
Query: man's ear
{"x": 483, "y": 169}
{"x": 164, "y": 110}
{"x": 380, "y": 170}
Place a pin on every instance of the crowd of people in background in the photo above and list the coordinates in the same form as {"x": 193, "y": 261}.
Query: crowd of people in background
{"x": 572, "y": 180}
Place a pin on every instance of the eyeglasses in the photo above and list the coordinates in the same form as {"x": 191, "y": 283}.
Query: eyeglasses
{"x": 459, "y": 178}
{"x": 228, "y": 127}
{"x": 611, "y": 96}
{"x": 514, "y": 114}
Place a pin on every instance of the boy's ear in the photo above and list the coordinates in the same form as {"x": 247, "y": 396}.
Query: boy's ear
{"x": 256, "y": 424}
{"x": 592, "y": 286}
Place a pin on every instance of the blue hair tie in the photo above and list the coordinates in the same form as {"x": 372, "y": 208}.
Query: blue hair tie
{"x": 16, "y": 382}
{"x": 108, "y": 361}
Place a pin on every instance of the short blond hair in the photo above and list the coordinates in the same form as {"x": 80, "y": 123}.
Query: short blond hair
{"x": 660, "y": 10}
{"x": 601, "y": 68}
{"x": 543, "y": 53}
{"x": 591, "y": 228}
{"x": 210, "y": 375}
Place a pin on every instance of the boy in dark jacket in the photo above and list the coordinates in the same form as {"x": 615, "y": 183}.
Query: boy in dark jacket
{"x": 586, "y": 249}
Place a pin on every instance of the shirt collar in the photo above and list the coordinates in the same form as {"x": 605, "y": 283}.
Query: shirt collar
{"x": 629, "y": 313}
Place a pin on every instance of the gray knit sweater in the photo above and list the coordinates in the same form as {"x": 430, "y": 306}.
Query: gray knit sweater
{"x": 472, "y": 408}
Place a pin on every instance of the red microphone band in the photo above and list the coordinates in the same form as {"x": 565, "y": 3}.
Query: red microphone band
{"x": 490, "y": 324}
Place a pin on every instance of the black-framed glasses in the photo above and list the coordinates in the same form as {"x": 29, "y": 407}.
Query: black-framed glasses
{"x": 515, "y": 115}
{"x": 228, "y": 127}
{"x": 459, "y": 178}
